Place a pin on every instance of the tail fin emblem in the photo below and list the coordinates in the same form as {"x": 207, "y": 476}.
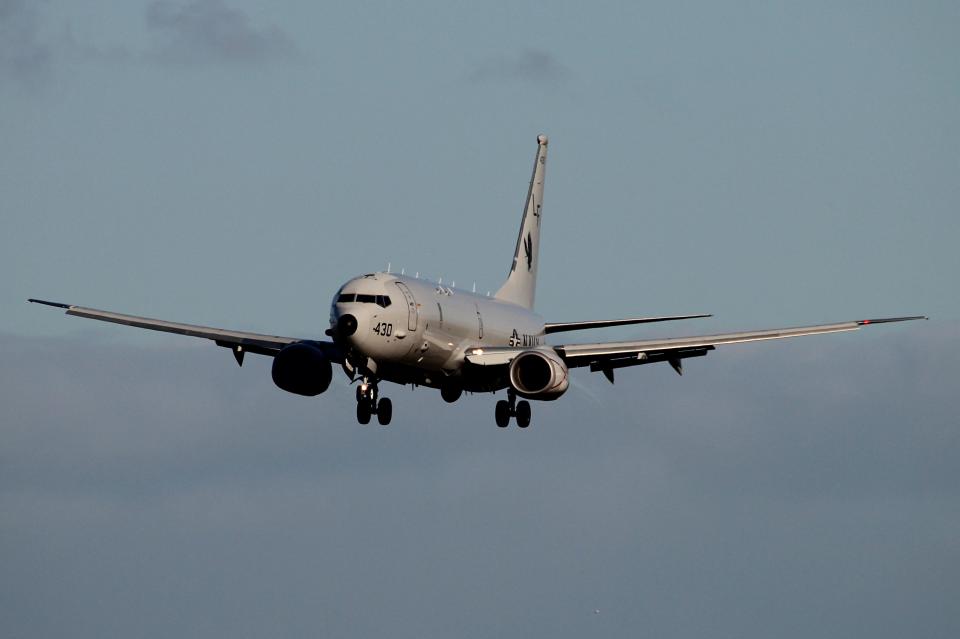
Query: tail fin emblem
{"x": 528, "y": 249}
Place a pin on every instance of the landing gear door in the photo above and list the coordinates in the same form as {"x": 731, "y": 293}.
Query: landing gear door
{"x": 412, "y": 312}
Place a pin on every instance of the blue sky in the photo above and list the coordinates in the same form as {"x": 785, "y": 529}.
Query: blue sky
{"x": 229, "y": 164}
{"x": 221, "y": 163}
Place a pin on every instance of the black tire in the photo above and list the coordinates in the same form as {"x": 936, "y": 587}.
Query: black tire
{"x": 502, "y": 413}
{"x": 363, "y": 412}
{"x": 523, "y": 414}
{"x": 450, "y": 393}
{"x": 384, "y": 411}
{"x": 359, "y": 394}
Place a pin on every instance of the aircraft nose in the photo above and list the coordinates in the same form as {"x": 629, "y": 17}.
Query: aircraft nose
{"x": 346, "y": 325}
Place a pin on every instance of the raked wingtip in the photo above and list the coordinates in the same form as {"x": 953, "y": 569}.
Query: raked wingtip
{"x": 47, "y": 303}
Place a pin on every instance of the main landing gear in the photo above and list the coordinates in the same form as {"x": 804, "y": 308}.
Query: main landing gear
{"x": 368, "y": 404}
{"x": 510, "y": 407}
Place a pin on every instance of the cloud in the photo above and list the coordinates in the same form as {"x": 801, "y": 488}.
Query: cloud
{"x": 209, "y": 31}
{"x": 24, "y": 57}
{"x": 529, "y": 65}
{"x": 199, "y": 32}
{"x": 158, "y": 491}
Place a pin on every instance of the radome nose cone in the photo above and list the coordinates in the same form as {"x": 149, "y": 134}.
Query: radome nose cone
{"x": 347, "y": 325}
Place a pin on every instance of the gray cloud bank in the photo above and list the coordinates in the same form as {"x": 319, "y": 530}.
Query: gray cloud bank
{"x": 529, "y": 65}
{"x": 194, "y": 33}
{"x": 803, "y": 489}
{"x": 24, "y": 57}
{"x": 205, "y": 31}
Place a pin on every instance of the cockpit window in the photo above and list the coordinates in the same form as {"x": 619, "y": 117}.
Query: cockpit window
{"x": 382, "y": 301}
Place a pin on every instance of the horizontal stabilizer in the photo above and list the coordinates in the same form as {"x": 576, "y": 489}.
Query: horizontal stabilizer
{"x": 560, "y": 327}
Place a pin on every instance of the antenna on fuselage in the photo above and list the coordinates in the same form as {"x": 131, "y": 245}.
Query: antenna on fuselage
{"x": 474, "y": 287}
{"x": 388, "y": 267}
{"x": 403, "y": 270}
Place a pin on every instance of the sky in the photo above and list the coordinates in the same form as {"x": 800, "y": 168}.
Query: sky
{"x": 221, "y": 163}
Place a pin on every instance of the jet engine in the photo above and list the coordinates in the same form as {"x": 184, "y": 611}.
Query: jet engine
{"x": 539, "y": 374}
{"x": 302, "y": 369}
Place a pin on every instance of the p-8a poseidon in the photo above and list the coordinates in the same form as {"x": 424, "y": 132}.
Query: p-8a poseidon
{"x": 386, "y": 327}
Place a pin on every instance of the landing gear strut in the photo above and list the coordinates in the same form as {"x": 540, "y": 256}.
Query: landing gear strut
{"x": 510, "y": 407}
{"x": 368, "y": 404}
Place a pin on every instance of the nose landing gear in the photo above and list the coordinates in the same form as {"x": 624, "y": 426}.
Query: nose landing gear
{"x": 510, "y": 407}
{"x": 368, "y": 404}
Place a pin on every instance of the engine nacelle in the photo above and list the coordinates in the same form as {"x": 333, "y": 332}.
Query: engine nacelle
{"x": 539, "y": 374}
{"x": 302, "y": 369}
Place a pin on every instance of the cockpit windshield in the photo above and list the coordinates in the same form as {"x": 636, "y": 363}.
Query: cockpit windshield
{"x": 382, "y": 301}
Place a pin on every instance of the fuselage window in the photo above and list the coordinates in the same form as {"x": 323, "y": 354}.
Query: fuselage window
{"x": 345, "y": 297}
{"x": 383, "y": 300}
{"x": 366, "y": 299}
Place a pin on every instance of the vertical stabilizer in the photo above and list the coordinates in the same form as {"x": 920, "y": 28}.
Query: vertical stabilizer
{"x": 521, "y": 283}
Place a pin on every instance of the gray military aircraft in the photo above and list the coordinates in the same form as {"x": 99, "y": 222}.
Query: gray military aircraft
{"x": 395, "y": 328}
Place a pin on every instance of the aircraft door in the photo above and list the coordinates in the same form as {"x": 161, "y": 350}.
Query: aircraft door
{"x": 412, "y": 312}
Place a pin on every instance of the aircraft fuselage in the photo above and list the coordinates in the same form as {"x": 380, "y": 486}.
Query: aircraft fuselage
{"x": 410, "y": 330}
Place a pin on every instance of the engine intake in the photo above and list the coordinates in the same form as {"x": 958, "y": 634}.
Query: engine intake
{"x": 539, "y": 374}
{"x": 302, "y": 369}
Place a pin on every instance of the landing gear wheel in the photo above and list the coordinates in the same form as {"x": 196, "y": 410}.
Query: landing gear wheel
{"x": 363, "y": 411}
{"x": 502, "y": 413}
{"x": 384, "y": 411}
{"x": 523, "y": 413}
{"x": 367, "y": 401}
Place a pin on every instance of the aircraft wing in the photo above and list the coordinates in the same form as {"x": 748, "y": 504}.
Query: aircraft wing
{"x": 607, "y": 356}
{"x": 239, "y": 342}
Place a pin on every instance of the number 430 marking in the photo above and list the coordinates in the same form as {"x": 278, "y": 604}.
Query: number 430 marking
{"x": 383, "y": 329}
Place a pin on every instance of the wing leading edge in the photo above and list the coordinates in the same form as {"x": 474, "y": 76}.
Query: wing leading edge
{"x": 239, "y": 342}
{"x": 558, "y": 327}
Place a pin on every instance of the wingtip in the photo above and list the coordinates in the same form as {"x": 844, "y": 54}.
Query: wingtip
{"x": 48, "y": 303}
{"x": 886, "y": 320}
